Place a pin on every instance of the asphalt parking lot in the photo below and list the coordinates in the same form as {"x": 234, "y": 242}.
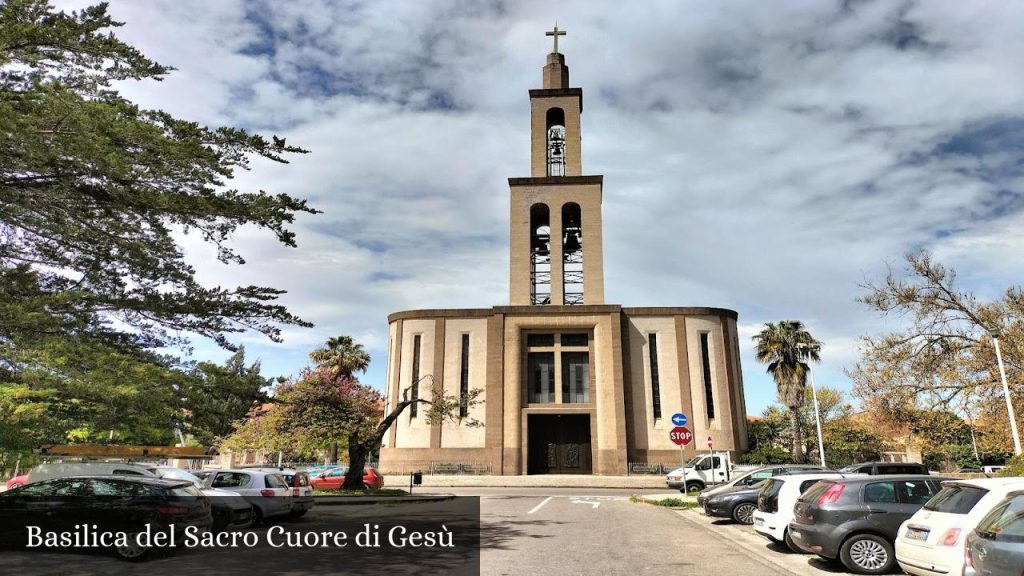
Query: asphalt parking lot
{"x": 777, "y": 555}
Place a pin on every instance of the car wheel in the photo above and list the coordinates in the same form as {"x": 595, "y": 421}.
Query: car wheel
{"x": 744, "y": 513}
{"x": 692, "y": 488}
{"x": 131, "y": 551}
{"x": 16, "y": 485}
{"x": 788, "y": 541}
{"x": 867, "y": 554}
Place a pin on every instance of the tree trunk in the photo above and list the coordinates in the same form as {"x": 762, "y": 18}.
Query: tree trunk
{"x": 356, "y": 462}
{"x": 332, "y": 453}
{"x": 798, "y": 437}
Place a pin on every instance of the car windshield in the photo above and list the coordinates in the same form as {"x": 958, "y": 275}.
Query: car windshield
{"x": 178, "y": 474}
{"x": 693, "y": 461}
{"x": 956, "y": 499}
{"x": 849, "y": 469}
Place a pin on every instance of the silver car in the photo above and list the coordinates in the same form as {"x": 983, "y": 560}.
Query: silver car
{"x": 996, "y": 546}
{"x": 230, "y": 510}
{"x": 267, "y": 491}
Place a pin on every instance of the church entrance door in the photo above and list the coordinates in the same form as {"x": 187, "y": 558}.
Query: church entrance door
{"x": 559, "y": 444}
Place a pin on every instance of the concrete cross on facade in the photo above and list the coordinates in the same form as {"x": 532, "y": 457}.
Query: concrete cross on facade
{"x": 556, "y": 33}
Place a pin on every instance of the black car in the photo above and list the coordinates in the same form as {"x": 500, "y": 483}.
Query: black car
{"x": 879, "y": 468}
{"x": 753, "y": 477}
{"x": 856, "y": 519}
{"x": 78, "y": 510}
{"x": 737, "y": 503}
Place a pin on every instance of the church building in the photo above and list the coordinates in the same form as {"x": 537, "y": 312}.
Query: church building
{"x": 570, "y": 383}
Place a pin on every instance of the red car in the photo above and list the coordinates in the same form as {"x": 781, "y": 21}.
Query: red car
{"x": 335, "y": 477}
{"x": 17, "y": 481}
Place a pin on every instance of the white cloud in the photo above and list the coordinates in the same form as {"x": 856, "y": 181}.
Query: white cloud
{"x": 764, "y": 157}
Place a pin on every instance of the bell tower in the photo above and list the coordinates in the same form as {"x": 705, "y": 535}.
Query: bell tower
{"x": 555, "y": 226}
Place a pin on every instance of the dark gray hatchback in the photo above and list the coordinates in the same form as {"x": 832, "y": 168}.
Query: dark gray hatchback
{"x": 996, "y": 546}
{"x": 856, "y": 520}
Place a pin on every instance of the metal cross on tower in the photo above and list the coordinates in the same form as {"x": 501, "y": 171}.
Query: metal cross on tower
{"x": 556, "y": 33}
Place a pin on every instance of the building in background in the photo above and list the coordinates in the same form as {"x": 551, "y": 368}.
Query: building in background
{"x": 570, "y": 384}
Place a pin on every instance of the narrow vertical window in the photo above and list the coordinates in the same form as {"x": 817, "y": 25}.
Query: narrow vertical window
{"x": 464, "y": 379}
{"x": 575, "y": 377}
{"x": 415, "y": 375}
{"x": 541, "y": 374}
{"x": 540, "y": 254}
{"x": 572, "y": 254}
{"x": 705, "y": 358}
{"x": 556, "y": 142}
{"x": 652, "y": 348}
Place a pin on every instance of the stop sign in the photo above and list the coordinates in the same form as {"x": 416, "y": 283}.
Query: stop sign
{"x": 681, "y": 435}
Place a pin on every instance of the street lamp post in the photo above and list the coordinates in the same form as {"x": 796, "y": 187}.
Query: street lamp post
{"x": 1006, "y": 393}
{"x": 817, "y": 416}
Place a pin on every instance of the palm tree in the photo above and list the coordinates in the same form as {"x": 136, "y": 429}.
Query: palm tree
{"x": 786, "y": 347}
{"x": 342, "y": 356}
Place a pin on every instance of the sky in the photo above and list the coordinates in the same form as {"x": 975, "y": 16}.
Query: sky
{"x": 766, "y": 157}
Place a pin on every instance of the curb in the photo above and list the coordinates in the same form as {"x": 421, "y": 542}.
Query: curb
{"x": 369, "y": 500}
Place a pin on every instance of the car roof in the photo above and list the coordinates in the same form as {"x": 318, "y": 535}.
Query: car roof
{"x": 809, "y": 475}
{"x": 248, "y": 471}
{"x": 987, "y": 483}
{"x": 864, "y": 478}
{"x": 166, "y": 482}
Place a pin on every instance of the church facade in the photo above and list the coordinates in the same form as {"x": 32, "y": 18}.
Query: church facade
{"x": 570, "y": 384}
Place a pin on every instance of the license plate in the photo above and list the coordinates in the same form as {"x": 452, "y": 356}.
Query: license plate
{"x": 758, "y": 521}
{"x": 921, "y": 535}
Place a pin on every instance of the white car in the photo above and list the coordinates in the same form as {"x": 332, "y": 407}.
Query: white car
{"x": 932, "y": 541}
{"x": 230, "y": 510}
{"x": 775, "y": 504}
{"x": 267, "y": 491}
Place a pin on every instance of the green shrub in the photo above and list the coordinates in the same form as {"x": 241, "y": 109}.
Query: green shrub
{"x": 1014, "y": 466}
{"x": 767, "y": 455}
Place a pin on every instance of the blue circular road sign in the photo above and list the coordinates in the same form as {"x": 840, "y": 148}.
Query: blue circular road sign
{"x": 679, "y": 419}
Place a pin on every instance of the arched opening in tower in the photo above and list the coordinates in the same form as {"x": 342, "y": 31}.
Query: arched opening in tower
{"x": 540, "y": 254}
{"x": 572, "y": 253}
{"x": 556, "y": 141}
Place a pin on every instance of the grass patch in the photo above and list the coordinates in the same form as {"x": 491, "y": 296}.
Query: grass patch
{"x": 678, "y": 503}
{"x": 351, "y": 492}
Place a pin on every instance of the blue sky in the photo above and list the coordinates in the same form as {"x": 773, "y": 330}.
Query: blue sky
{"x": 768, "y": 157}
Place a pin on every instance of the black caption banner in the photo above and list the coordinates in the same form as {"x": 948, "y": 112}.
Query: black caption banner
{"x": 104, "y": 537}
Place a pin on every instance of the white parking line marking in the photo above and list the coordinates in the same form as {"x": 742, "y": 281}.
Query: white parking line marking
{"x": 594, "y": 504}
{"x": 538, "y": 506}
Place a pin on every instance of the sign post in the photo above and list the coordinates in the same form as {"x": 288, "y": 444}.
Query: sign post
{"x": 682, "y": 436}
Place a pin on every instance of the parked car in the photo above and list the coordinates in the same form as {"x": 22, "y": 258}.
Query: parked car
{"x": 335, "y": 477}
{"x": 877, "y": 468}
{"x": 737, "y": 503}
{"x": 230, "y": 510}
{"x": 16, "y": 481}
{"x": 266, "y": 491}
{"x": 996, "y": 546}
{"x": 856, "y": 519}
{"x": 753, "y": 477}
{"x": 302, "y": 490}
{"x": 774, "y": 504}
{"x": 52, "y": 470}
{"x": 931, "y": 541}
{"x": 109, "y": 503}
